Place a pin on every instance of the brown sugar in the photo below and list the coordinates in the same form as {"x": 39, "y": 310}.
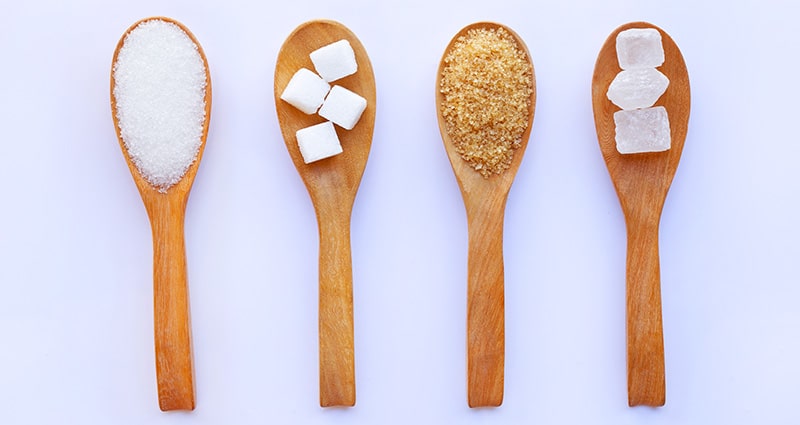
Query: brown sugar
{"x": 486, "y": 85}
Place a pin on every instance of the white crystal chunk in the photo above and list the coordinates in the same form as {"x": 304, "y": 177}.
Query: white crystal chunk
{"x": 640, "y": 48}
{"x": 637, "y": 88}
{"x": 642, "y": 130}
{"x": 318, "y": 142}
{"x": 306, "y": 91}
{"x": 343, "y": 107}
{"x": 334, "y": 61}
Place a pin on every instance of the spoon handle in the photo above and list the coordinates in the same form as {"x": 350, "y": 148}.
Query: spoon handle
{"x": 337, "y": 385}
{"x": 485, "y": 307}
{"x": 646, "y": 383}
{"x": 171, "y": 306}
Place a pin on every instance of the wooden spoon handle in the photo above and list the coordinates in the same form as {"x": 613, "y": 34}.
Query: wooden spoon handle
{"x": 646, "y": 383}
{"x": 171, "y": 301}
{"x": 337, "y": 382}
{"x": 485, "y": 309}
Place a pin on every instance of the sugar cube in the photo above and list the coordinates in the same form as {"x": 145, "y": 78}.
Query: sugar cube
{"x": 318, "y": 141}
{"x": 642, "y": 130}
{"x": 640, "y": 48}
{"x": 343, "y": 107}
{"x": 637, "y": 88}
{"x": 306, "y": 91}
{"x": 335, "y": 61}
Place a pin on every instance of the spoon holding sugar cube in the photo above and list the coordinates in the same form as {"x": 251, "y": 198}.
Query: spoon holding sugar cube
{"x": 331, "y": 174}
{"x": 642, "y": 181}
{"x": 485, "y": 99}
{"x": 161, "y": 106}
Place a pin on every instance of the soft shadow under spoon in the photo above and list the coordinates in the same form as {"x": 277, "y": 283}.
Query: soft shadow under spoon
{"x": 485, "y": 200}
{"x": 332, "y": 184}
{"x": 642, "y": 181}
{"x": 166, "y": 207}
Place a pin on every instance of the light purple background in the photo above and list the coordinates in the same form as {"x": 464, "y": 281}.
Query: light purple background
{"x": 75, "y": 244}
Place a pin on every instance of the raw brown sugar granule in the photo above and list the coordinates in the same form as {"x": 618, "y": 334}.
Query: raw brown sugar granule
{"x": 486, "y": 86}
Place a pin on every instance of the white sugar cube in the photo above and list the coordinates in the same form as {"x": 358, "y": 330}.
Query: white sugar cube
{"x": 318, "y": 142}
{"x": 335, "y": 61}
{"x": 637, "y": 88}
{"x": 640, "y": 48}
{"x": 306, "y": 91}
{"x": 642, "y": 130}
{"x": 343, "y": 107}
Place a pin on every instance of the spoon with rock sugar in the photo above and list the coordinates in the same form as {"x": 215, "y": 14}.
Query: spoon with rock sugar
{"x": 642, "y": 179}
{"x": 161, "y": 105}
{"x": 331, "y": 160}
{"x": 485, "y": 99}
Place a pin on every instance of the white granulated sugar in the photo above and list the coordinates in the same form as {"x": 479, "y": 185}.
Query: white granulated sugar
{"x": 343, "y": 107}
{"x": 642, "y": 130}
{"x": 640, "y": 48}
{"x": 334, "y": 61}
{"x": 637, "y": 88}
{"x": 318, "y": 142}
{"x": 159, "y": 89}
{"x": 306, "y": 91}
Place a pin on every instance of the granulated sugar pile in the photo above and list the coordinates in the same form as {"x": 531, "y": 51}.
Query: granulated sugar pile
{"x": 486, "y": 84}
{"x": 159, "y": 89}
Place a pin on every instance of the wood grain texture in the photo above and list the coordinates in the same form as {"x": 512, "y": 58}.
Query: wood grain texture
{"x": 166, "y": 211}
{"x": 332, "y": 184}
{"x": 484, "y": 200}
{"x": 642, "y": 182}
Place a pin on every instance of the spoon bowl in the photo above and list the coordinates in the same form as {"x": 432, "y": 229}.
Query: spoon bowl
{"x": 332, "y": 184}
{"x": 166, "y": 210}
{"x": 484, "y": 200}
{"x": 642, "y": 181}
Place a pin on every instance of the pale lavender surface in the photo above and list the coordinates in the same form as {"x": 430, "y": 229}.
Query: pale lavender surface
{"x": 76, "y": 253}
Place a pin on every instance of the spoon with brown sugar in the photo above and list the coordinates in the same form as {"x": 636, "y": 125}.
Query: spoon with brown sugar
{"x": 642, "y": 181}
{"x": 332, "y": 184}
{"x": 485, "y": 99}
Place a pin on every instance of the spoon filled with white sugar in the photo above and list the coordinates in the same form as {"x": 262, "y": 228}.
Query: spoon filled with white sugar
{"x": 161, "y": 105}
{"x": 327, "y": 117}
{"x": 641, "y": 135}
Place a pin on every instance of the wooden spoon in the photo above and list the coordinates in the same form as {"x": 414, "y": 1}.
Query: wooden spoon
{"x": 332, "y": 184}
{"x": 642, "y": 182}
{"x": 485, "y": 200}
{"x": 166, "y": 211}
